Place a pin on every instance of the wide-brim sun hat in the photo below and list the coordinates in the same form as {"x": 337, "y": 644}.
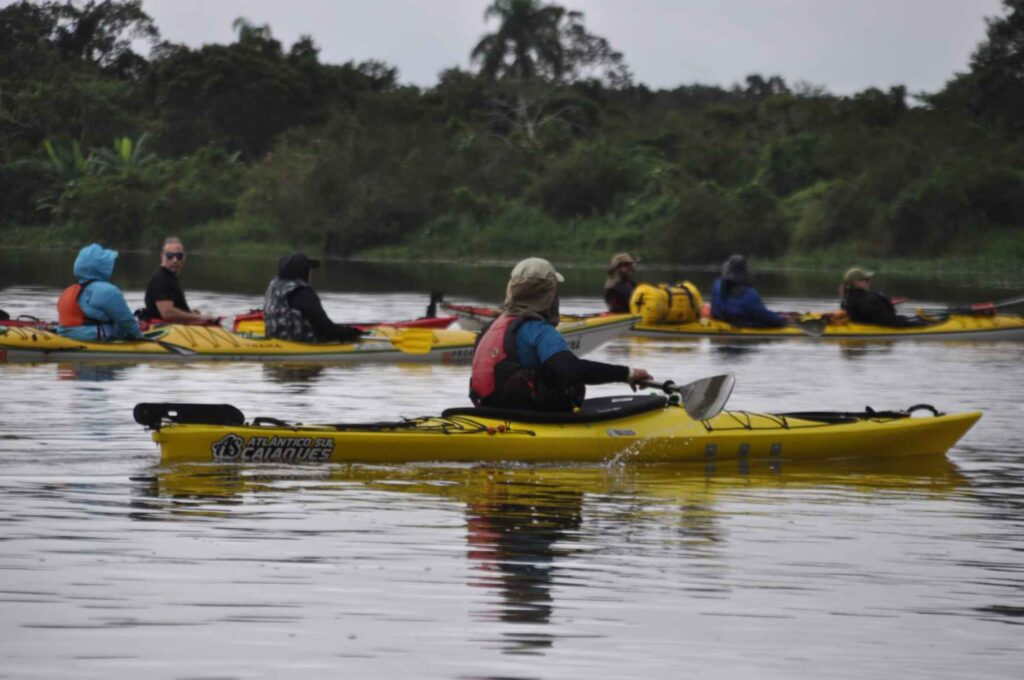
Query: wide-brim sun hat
{"x": 857, "y": 274}
{"x": 620, "y": 259}
{"x": 536, "y": 268}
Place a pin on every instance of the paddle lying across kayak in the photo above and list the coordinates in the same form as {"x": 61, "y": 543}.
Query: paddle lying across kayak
{"x": 640, "y": 428}
{"x": 189, "y": 343}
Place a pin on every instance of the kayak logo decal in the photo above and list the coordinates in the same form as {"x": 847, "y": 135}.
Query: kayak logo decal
{"x": 228, "y": 448}
{"x": 621, "y": 433}
{"x": 232, "y": 448}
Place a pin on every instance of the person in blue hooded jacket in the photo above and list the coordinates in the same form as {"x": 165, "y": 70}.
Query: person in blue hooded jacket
{"x": 94, "y": 308}
{"x": 733, "y": 299}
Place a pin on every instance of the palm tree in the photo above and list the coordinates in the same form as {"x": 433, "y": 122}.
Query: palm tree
{"x": 528, "y": 41}
{"x": 125, "y": 157}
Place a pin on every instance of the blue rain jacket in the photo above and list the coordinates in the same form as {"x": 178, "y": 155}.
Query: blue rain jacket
{"x": 101, "y": 300}
{"x": 742, "y": 306}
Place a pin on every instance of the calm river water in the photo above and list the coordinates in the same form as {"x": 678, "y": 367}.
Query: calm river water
{"x": 113, "y": 567}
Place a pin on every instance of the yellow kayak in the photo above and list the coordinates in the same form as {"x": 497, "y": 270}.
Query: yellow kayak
{"x": 955, "y": 327}
{"x": 178, "y": 342}
{"x": 633, "y": 428}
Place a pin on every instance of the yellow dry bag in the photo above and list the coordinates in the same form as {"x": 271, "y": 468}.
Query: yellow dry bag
{"x": 663, "y": 303}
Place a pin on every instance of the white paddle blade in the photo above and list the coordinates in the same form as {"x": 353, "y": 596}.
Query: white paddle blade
{"x": 705, "y": 398}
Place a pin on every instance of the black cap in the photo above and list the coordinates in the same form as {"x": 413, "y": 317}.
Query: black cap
{"x": 296, "y": 266}
{"x": 735, "y": 269}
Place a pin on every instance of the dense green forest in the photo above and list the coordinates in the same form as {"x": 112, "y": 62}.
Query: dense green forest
{"x": 545, "y": 146}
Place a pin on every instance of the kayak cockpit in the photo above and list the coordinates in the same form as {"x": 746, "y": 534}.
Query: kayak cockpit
{"x": 592, "y": 410}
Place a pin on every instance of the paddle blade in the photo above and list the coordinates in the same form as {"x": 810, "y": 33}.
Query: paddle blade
{"x": 413, "y": 340}
{"x": 812, "y": 326}
{"x": 705, "y": 398}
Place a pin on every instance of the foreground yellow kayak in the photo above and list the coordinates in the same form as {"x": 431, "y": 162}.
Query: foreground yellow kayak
{"x": 634, "y": 428}
{"x": 955, "y": 327}
{"x": 177, "y": 342}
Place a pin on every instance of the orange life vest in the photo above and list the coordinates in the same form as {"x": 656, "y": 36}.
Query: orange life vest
{"x": 69, "y": 312}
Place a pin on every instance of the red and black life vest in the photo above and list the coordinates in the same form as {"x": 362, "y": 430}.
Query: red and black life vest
{"x": 498, "y": 380}
{"x": 495, "y": 365}
{"x": 69, "y": 312}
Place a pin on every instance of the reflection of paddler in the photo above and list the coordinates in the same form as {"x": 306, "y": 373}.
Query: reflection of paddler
{"x": 292, "y": 373}
{"x": 519, "y": 540}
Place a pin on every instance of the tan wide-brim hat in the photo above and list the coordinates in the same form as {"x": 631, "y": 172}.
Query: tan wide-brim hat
{"x": 621, "y": 258}
{"x": 856, "y": 274}
{"x": 536, "y": 268}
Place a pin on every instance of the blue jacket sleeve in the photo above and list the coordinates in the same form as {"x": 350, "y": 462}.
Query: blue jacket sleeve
{"x": 536, "y": 342}
{"x": 717, "y": 303}
{"x": 104, "y": 302}
{"x": 755, "y": 309}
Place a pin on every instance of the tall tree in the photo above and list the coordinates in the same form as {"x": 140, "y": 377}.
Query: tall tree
{"x": 998, "y": 67}
{"x": 537, "y": 49}
{"x": 527, "y": 43}
{"x": 994, "y": 87}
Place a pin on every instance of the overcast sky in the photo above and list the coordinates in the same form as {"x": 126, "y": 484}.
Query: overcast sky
{"x": 845, "y": 45}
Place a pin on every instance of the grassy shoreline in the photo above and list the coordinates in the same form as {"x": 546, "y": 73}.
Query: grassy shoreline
{"x": 1002, "y": 259}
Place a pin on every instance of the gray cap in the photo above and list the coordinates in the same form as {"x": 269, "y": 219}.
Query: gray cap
{"x": 536, "y": 268}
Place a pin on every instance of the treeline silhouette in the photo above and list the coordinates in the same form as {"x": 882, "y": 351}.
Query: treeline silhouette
{"x": 545, "y": 145}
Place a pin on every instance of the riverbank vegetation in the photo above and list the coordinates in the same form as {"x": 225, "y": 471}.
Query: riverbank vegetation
{"x": 546, "y": 145}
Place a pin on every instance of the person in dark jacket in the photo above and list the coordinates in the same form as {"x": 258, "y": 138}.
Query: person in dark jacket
{"x": 864, "y": 305}
{"x": 292, "y": 309}
{"x": 618, "y": 287}
{"x": 733, "y": 299}
{"x": 522, "y": 361}
{"x": 165, "y": 300}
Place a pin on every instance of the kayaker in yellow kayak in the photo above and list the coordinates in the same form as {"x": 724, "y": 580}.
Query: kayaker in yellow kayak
{"x": 618, "y": 287}
{"x": 864, "y": 305}
{"x": 94, "y": 308}
{"x": 522, "y": 361}
{"x": 292, "y": 309}
{"x": 165, "y": 300}
{"x": 733, "y": 299}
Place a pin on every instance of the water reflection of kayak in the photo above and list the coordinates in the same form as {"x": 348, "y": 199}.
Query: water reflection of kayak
{"x": 635, "y": 428}
{"x": 536, "y": 484}
{"x": 178, "y": 342}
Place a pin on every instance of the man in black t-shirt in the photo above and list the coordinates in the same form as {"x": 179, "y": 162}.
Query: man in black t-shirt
{"x": 165, "y": 300}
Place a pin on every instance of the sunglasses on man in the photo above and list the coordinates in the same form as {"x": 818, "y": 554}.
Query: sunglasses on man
{"x": 174, "y": 256}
